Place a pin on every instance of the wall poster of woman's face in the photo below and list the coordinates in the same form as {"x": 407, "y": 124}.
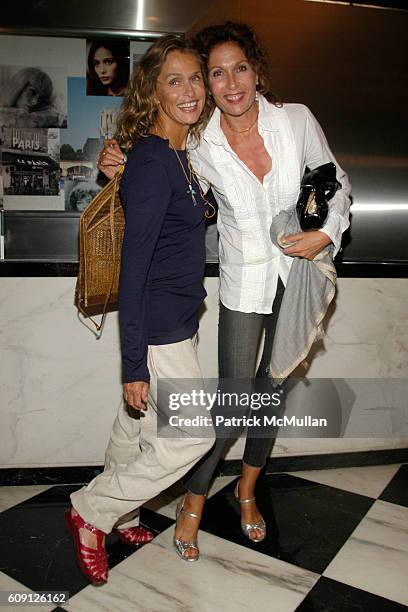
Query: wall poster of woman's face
{"x": 33, "y": 97}
{"x": 108, "y": 63}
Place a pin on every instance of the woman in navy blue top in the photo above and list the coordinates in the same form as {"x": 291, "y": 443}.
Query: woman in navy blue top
{"x": 163, "y": 255}
{"x": 161, "y": 291}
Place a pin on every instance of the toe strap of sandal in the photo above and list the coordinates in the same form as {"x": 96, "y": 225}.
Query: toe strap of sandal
{"x": 136, "y": 535}
{"x": 92, "y": 558}
{"x": 251, "y": 526}
{"x": 184, "y": 546}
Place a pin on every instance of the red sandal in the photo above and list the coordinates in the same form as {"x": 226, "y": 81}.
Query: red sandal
{"x": 135, "y": 535}
{"x": 93, "y": 562}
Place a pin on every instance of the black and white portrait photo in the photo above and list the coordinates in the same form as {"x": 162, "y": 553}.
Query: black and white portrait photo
{"x": 33, "y": 97}
{"x": 107, "y": 67}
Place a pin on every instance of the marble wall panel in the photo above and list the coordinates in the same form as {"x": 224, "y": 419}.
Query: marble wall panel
{"x": 60, "y": 388}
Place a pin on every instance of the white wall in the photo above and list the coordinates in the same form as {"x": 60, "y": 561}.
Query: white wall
{"x": 60, "y": 388}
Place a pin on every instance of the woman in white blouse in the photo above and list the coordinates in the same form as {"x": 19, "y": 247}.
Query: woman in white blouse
{"x": 253, "y": 153}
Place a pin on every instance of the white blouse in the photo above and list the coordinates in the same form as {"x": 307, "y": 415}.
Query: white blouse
{"x": 249, "y": 263}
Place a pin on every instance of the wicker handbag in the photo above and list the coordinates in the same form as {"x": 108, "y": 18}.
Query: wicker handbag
{"x": 101, "y": 229}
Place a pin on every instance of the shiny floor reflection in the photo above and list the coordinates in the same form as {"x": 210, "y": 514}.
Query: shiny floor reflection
{"x": 307, "y": 523}
{"x": 328, "y": 548}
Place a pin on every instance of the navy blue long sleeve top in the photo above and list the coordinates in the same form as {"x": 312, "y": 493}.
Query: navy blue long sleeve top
{"x": 163, "y": 254}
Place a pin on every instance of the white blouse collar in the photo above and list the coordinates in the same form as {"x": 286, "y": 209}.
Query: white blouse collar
{"x": 267, "y": 120}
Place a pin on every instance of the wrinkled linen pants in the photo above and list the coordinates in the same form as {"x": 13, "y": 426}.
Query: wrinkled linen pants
{"x": 139, "y": 465}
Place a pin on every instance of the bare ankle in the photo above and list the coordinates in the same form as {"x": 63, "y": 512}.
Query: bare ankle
{"x": 245, "y": 489}
{"x": 192, "y": 500}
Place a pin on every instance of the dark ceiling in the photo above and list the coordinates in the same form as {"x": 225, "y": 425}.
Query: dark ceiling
{"x": 389, "y": 4}
{"x": 399, "y": 4}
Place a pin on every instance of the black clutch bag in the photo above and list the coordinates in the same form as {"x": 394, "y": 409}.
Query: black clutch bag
{"x": 317, "y": 187}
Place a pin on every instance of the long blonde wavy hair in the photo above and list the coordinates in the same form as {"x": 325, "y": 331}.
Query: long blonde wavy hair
{"x": 139, "y": 110}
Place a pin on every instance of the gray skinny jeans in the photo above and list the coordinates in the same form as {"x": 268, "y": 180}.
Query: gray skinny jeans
{"x": 238, "y": 340}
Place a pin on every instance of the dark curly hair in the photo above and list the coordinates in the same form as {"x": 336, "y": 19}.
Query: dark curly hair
{"x": 246, "y": 39}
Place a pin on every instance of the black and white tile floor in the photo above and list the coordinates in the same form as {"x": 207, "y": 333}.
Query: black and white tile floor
{"x": 337, "y": 541}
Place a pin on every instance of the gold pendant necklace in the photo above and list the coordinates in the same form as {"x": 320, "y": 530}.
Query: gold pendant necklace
{"x": 191, "y": 190}
{"x": 189, "y": 179}
{"x": 240, "y": 131}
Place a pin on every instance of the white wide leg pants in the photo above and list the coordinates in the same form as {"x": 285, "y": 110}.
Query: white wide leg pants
{"x": 139, "y": 465}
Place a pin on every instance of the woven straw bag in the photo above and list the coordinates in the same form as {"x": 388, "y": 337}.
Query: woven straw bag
{"x": 101, "y": 229}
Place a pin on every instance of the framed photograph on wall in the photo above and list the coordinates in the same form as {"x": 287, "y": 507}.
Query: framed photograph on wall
{"x": 107, "y": 67}
{"x": 33, "y": 96}
{"x": 30, "y": 161}
{"x": 93, "y": 118}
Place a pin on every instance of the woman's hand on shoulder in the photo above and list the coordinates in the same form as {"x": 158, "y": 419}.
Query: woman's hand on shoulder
{"x": 110, "y": 158}
{"x": 136, "y": 393}
{"x": 306, "y": 244}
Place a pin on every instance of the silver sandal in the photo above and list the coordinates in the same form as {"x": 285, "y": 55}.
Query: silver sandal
{"x": 248, "y": 527}
{"x": 182, "y": 546}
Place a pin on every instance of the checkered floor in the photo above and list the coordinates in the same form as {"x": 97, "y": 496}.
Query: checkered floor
{"x": 337, "y": 541}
